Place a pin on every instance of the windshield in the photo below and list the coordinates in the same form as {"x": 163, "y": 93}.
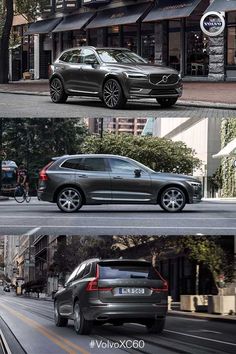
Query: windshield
{"x": 119, "y": 56}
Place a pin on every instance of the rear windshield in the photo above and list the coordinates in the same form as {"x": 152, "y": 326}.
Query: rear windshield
{"x": 128, "y": 272}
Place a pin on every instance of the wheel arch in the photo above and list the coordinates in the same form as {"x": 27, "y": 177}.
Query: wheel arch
{"x": 117, "y": 78}
{"x": 180, "y": 186}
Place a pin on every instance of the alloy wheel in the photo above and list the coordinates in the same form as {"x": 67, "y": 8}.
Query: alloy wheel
{"x": 111, "y": 93}
{"x": 69, "y": 200}
{"x": 56, "y": 90}
{"x": 77, "y": 317}
{"x": 173, "y": 199}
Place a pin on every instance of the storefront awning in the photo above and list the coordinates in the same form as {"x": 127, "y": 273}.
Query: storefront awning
{"x": 74, "y": 22}
{"x": 222, "y": 5}
{"x": 168, "y": 9}
{"x": 228, "y": 150}
{"x": 43, "y": 26}
{"x": 119, "y": 16}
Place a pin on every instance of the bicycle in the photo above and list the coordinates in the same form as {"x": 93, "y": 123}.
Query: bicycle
{"x": 20, "y": 194}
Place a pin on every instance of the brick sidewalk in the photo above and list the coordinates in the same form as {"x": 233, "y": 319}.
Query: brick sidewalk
{"x": 193, "y": 91}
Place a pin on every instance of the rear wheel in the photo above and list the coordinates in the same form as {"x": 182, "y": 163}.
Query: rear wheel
{"x": 172, "y": 199}
{"x": 69, "y": 200}
{"x": 166, "y": 102}
{"x": 59, "y": 321}
{"x": 81, "y": 325}
{"x": 57, "y": 91}
{"x": 156, "y": 326}
{"x": 19, "y": 194}
{"x": 113, "y": 96}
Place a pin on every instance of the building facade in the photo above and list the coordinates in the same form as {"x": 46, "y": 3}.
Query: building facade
{"x": 162, "y": 31}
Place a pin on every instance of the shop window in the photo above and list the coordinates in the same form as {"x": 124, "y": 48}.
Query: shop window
{"x": 174, "y": 44}
{"x": 231, "y": 39}
{"x": 93, "y": 37}
{"x": 113, "y": 37}
{"x": 197, "y": 49}
{"x": 79, "y": 38}
{"x": 130, "y": 37}
{"x": 148, "y": 42}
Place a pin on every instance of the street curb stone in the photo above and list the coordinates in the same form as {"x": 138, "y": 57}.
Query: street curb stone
{"x": 203, "y": 316}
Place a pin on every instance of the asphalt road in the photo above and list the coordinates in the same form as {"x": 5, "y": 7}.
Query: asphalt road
{"x": 208, "y": 218}
{"x": 31, "y": 322}
{"x": 30, "y": 106}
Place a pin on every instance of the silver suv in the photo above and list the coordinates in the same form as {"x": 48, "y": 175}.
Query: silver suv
{"x": 112, "y": 74}
{"x": 76, "y": 180}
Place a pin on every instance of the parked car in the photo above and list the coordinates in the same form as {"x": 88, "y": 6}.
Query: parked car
{"x": 7, "y": 288}
{"x": 75, "y": 180}
{"x": 112, "y": 291}
{"x": 9, "y": 169}
{"x": 112, "y": 74}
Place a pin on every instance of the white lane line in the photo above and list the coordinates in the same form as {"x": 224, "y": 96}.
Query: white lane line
{"x": 113, "y": 217}
{"x": 120, "y": 227}
{"x": 205, "y": 331}
{"x": 198, "y": 337}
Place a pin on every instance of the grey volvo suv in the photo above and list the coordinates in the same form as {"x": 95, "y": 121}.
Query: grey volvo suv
{"x": 112, "y": 74}
{"x": 114, "y": 291}
{"x": 75, "y": 180}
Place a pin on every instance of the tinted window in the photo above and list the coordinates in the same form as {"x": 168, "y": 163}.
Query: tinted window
{"x": 121, "y": 271}
{"x": 73, "y": 274}
{"x": 88, "y": 54}
{"x": 94, "y": 164}
{"x": 87, "y": 270}
{"x": 75, "y": 56}
{"x": 121, "y": 166}
{"x": 80, "y": 272}
{"x": 74, "y": 164}
{"x": 119, "y": 56}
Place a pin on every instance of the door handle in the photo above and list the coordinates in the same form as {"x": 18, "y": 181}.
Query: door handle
{"x": 82, "y": 176}
{"x": 118, "y": 177}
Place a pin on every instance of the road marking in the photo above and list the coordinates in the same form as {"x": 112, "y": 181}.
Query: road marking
{"x": 198, "y": 337}
{"x": 205, "y": 330}
{"x": 113, "y": 217}
{"x": 55, "y": 338}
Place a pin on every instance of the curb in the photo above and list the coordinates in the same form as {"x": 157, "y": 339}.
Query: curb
{"x": 202, "y": 316}
{"x": 230, "y": 200}
{"x": 199, "y": 104}
{"x": 3, "y": 199}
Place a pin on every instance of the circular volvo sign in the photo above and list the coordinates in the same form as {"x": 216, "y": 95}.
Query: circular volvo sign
{"x": 212, "y": 23}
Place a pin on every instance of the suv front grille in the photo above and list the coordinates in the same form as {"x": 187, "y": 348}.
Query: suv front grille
{"x": 162, "y": 91}
{"x": 164, "y": 79}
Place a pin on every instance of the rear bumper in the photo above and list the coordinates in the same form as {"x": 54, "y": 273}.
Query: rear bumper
{"x": 44, "y": 195}
{"x": 105, "y": 312}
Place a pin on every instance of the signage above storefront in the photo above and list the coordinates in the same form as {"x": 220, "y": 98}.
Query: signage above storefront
{"x": 213, "y": 23}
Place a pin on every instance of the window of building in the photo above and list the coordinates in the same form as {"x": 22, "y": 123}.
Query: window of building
{"x": 113, "y": 36}
{"x": 231, "y": 39}
{"x": 148, "y": 42}
{"x": 174, "y": 44}
{"x": 130, "y": 37}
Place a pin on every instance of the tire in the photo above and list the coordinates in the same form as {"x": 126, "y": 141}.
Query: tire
{"x": 172, "y": 200}
{"x": 166, "y": 102}
{"x": 59, "y": 321}
{"x": 69, "y": 200}
{"x": 27, "y": 198}
{"x": 57, "y": 91}
{"x": 19, "y": 194}
{"x": 112, "y": 95}
{"x": 156, "y": 326}
{"x": 81, "y": 325}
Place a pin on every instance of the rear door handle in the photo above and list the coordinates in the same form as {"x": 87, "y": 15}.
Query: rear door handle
{"x": 118, "y": 177}
{"x": 82, "y": 176}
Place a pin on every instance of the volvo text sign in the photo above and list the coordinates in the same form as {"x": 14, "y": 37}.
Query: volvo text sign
{"x": 212, "y": 23}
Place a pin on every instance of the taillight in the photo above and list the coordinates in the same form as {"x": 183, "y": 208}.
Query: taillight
{"x": 93, "y": 284}
{"x": 43, "y": 173}
{"x": 164, "y": 288}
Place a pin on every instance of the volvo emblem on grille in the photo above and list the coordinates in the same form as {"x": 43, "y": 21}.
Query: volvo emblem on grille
{"x": 164, "y": 79}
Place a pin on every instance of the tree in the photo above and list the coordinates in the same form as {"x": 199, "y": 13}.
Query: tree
{"x": 30, "y": 9}
{"x": 205, "y": 250}
{"x": 6, "y": 18}
{"x": 35, "y": 141}
{"x": 158, "y": 153}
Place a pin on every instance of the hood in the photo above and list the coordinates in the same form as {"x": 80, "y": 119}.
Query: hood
{"x": 143, "y": 68}
{"x": 174, "y": 176}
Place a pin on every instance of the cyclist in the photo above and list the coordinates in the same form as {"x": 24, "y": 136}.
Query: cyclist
{"x": 23, "y": 178}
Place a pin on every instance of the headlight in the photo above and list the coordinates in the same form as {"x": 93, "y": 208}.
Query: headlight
{"x": 134, "y": 75}
{"x": 180, "y": 77}
{"x": 195, "y": 185}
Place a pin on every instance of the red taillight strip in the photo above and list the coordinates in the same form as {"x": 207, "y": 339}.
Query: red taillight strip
{"x": 165, "y": 284}
{"x": 93, "y": 284}
{"x": 42, "y": 174}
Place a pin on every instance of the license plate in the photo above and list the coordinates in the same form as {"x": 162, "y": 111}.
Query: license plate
{"x": 131, "y": 291}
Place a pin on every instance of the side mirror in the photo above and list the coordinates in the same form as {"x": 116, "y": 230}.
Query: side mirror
{"x": 137, "y": 173}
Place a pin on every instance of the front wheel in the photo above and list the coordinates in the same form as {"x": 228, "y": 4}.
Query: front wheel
{"x": 69, "y": 200}
{"x": 156, "y": 326}
{"x": 172, "y": 199}
{"x": 112, "y": 95}
{"x": 19, "y": 194}
{"x": 57, "y": 91}
{"x": 81, "y": 325}
{"x": 166, "y": 102}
